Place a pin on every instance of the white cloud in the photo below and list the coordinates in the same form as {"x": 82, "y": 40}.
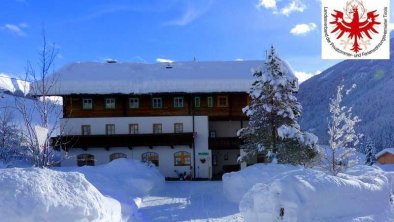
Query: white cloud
{"x": 303, "y": 76}
{"x": 294, "y": 6}
{"x": 302, "y": 29}
{"x": 16, "y": 29}
{"x": 192, "y": 12}
{"x": 391, "y": 26}
{"x": 288, "y": 6}
{"x": 164, "y": 60}
{"x": 268, "y": 3}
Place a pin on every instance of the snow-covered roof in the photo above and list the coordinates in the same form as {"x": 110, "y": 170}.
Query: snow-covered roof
{"x": 384, "y": 151}
{"x": 140, "y": 78}
{"x": 13, "y": 85}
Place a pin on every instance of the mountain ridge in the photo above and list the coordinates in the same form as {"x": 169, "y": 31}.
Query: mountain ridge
{"x": 372, "y": 100}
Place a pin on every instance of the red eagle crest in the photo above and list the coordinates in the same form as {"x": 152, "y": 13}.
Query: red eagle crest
{"x": 355, "y": 28}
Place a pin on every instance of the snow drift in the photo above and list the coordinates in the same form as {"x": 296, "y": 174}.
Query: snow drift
{"x": 35, "y": 194}
{"x": 310, "y": 195}
{"x": 237, "y": 184}
{"x": 122, "y": 178}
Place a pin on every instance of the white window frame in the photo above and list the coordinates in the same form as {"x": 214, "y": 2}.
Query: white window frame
{"x": 109, "y": 129}
{"x": 197, "y": 102}
{"x": 157, "y": 128}
{"x": 134, "y": 103}
{"x": 86, "y": 130}
{"x": 110, "y": 103}
{"x": 178, "y": 127}
{"x": 210, "y": 101}
{"x": 87, "y": 105}
{"x": 157, "y": 102}
{"x": 178, "y": 102}
{"x": 133, "y": 128}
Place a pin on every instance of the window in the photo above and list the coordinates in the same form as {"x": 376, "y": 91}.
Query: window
{"x": 133, "y": 128}
{"x": 214, "y": 160}
{"x": 178, "y": 127}
{"x": 222, "y": 101}
{"x": 115, "y": 156}
{"x": 178, "y": 102}
{"x": 197, "y": 101}
{"x": 182, "y": 158}
{"x": 210, "y": 101}
{"x": 85, "y": 130}
{"x": 157, "y": 102}
{"x": 157, "y": 128}
{"x": 87, "y": 103}
{"x": 110, "y": 103}
{"x": 85, "y": 159}
{"x": 134, "y": 103}
{"x": 110, "y": 129}
{"x": 212, "y": 134}
{"x": 150, "y": 157}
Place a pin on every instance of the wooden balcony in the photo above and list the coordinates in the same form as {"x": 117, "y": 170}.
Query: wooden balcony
{"x": 123, "y": 140}
{"x": 224, "y": 143}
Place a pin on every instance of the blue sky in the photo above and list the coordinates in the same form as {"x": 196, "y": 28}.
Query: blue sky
{"x": 144, "y": 31}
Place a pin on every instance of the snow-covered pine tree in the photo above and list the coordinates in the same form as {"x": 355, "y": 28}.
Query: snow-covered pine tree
{"x": 273, "y": 111}
{"x": 342, "y": 135}
{"x": 370, "y": 152}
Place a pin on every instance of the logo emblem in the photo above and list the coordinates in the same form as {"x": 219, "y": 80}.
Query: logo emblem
{"x": 358, "y": 30}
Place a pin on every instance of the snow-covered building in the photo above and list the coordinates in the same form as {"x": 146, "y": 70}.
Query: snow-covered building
{"x": 182, "y": 116}
{"x": 386, "y": 156}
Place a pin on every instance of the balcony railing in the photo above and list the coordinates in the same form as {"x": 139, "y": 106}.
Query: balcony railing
{"x": 123, "y": 140}
{"x": 224, "y": 143}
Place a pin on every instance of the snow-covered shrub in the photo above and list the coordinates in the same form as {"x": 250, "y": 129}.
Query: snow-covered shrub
{"x": 342, "y": 134}
{"x": 311, "y": 195}
{"x": 237, "y": 184}
{"x": 40, "y": 195}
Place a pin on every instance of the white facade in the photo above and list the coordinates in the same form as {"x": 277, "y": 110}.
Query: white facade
{"x": 203, "y": 164}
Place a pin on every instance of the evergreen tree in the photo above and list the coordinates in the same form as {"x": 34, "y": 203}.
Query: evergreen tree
{"x": 370, "y": 152}
{"x": 273, "y": 111}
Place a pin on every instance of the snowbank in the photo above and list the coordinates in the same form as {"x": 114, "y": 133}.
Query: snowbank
{"x": 35, "y": 194}
{"x": 122, "y": 179}
{"x": 237, "y": 184}
{"x": 388, "y": 171}
{"x": 310, "y": 195}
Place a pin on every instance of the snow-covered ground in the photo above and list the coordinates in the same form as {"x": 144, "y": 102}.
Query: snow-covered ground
{"x": 189, "y": 201}
{"x": 127, "y": 190}
{"x": 360, "y": 194}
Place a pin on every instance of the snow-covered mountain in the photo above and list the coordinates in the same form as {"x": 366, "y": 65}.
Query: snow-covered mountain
{"x": 372, "y": 100}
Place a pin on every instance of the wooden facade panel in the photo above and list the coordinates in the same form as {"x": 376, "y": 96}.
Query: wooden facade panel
{"x": 386, "y": 158}
{"x": 236, "y": 101}
{"x": 122, "y": 140}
